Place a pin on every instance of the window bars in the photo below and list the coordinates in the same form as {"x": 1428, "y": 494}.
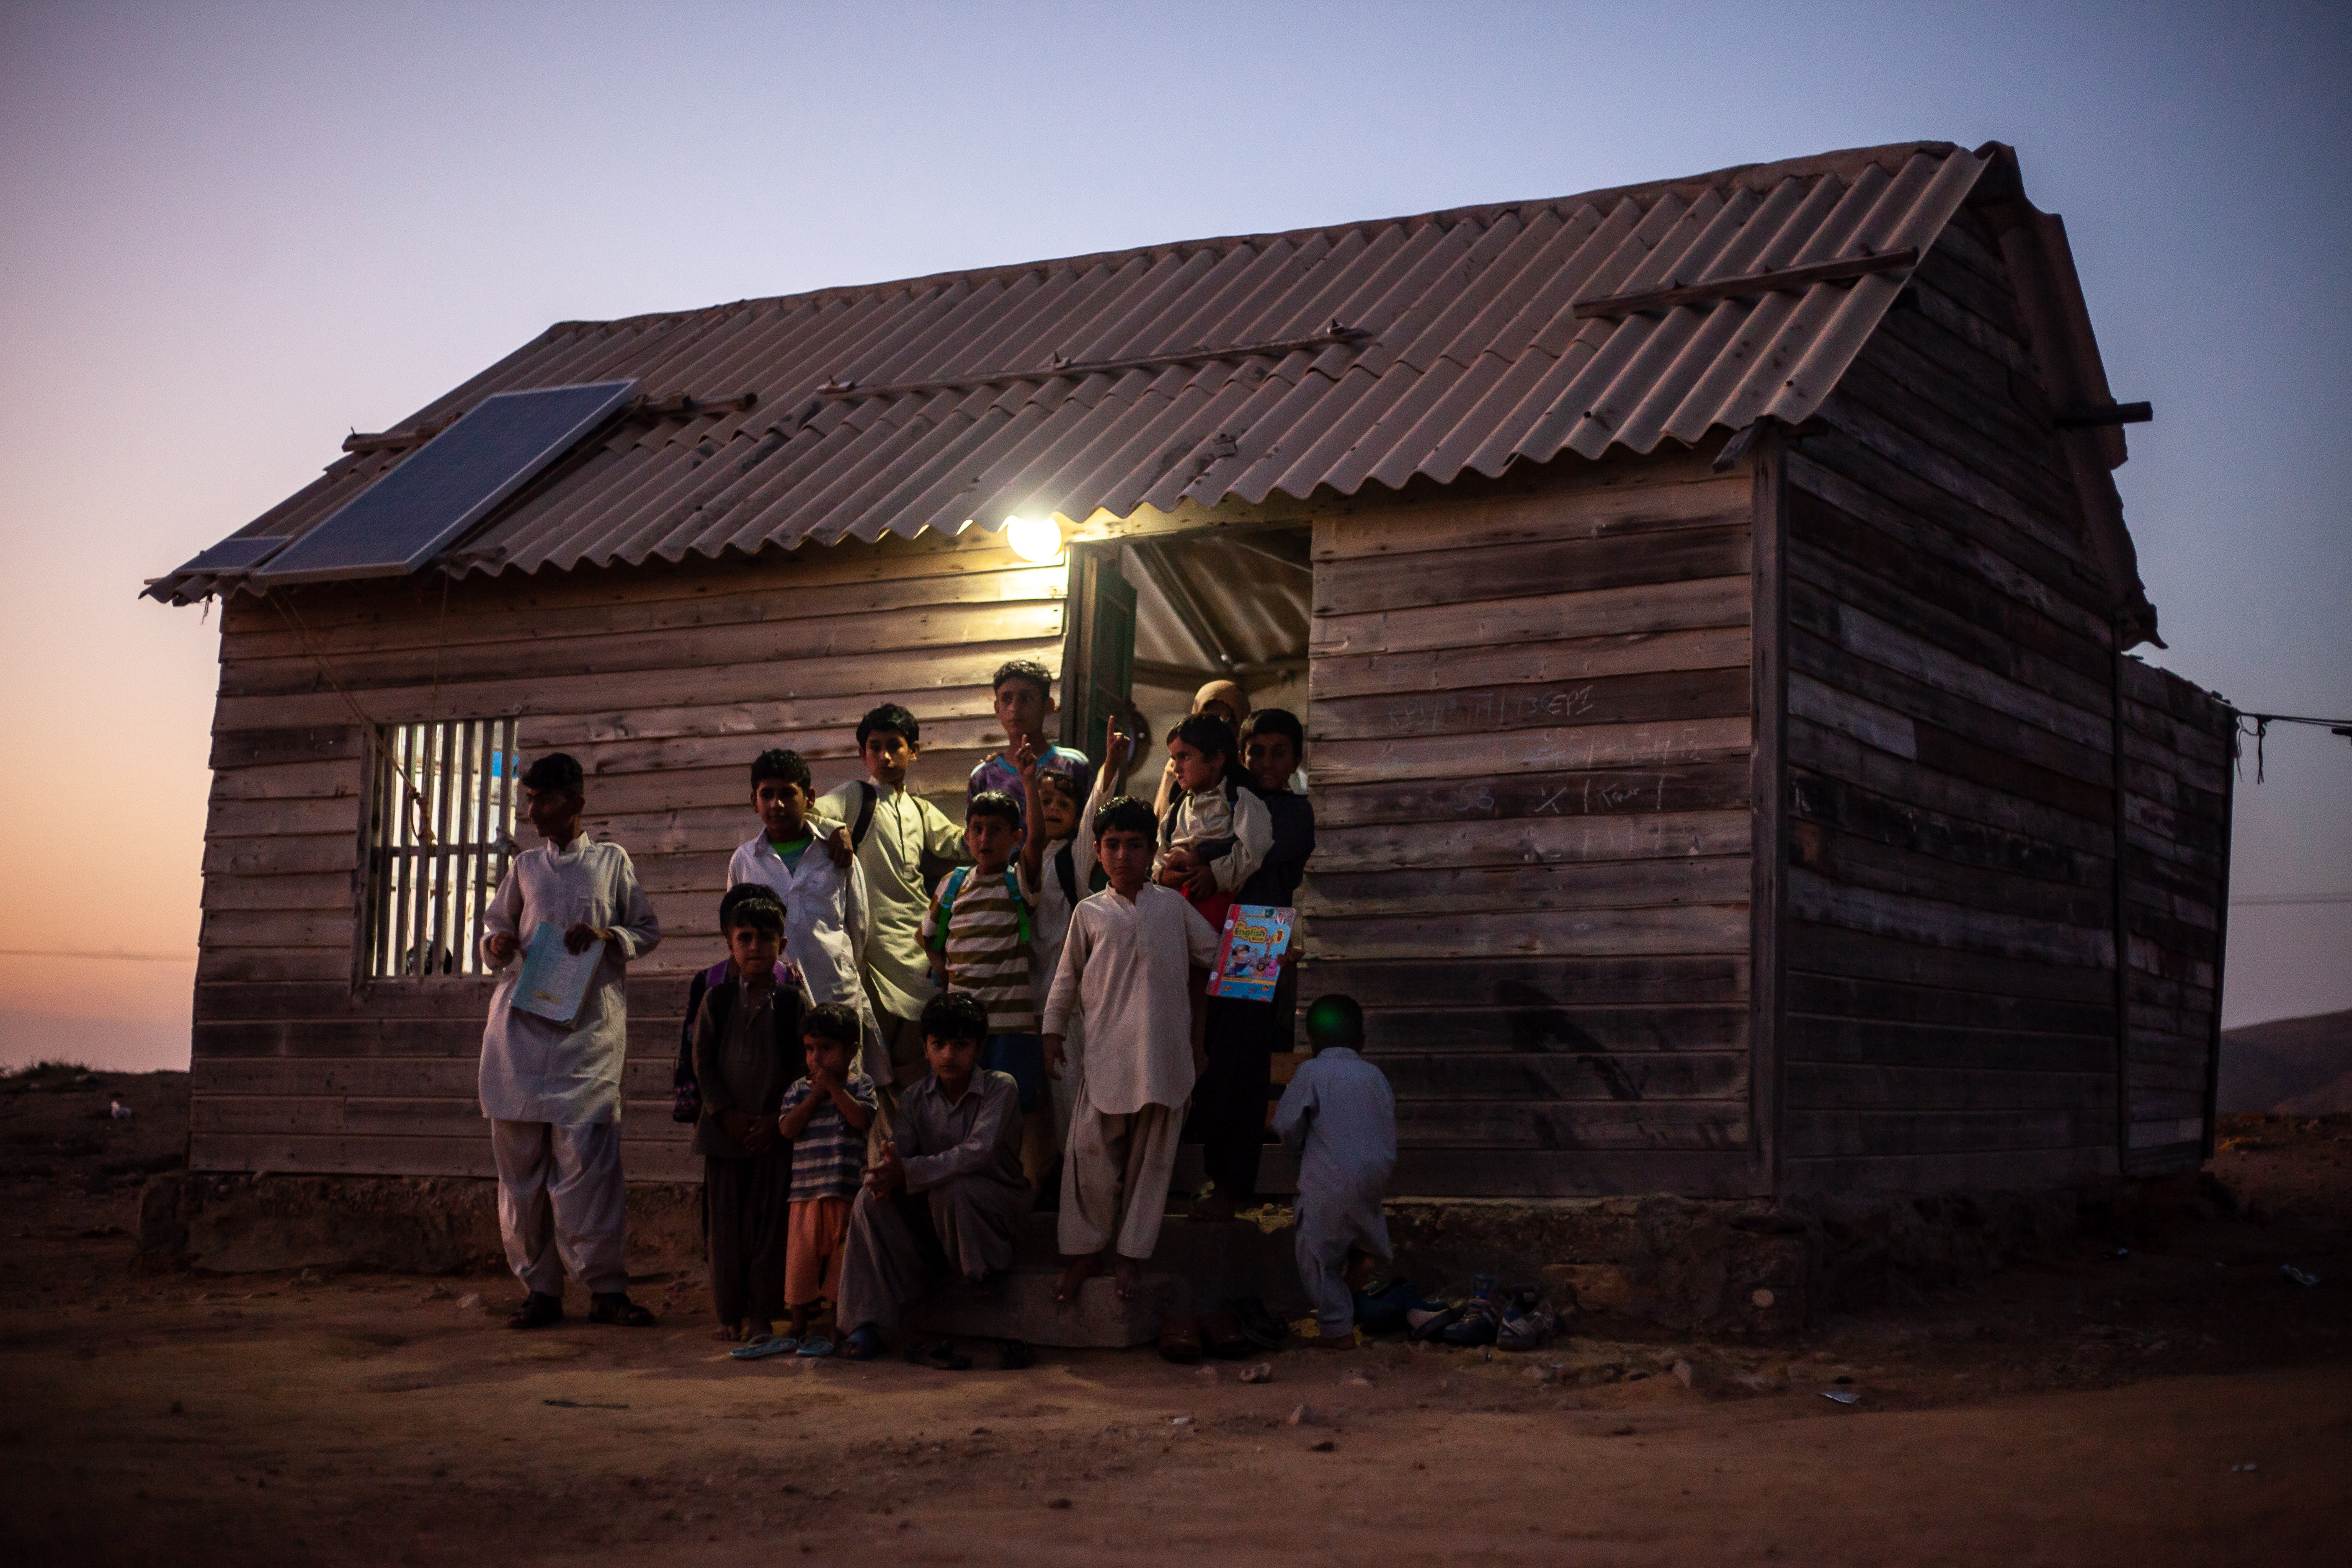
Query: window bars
{"x": 440, "y": 838}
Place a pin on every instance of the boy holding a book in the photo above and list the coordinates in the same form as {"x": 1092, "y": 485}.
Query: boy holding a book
{"x": 551, "y": 1087}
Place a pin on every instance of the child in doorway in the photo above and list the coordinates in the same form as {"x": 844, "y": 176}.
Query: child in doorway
{"x": 896, "y": 835}
{"x": 821, "y": 885}
{"x": 1217, "y": 832}
{"x": 1024, "y": 700}
{"x": 979, "y": 931}
{"x": 1131, "y": 967}
{"x": 1228, "y": 1116}
{"x": 552, "y": 1090}
{"x": 825, "y": 1116}
{"x": 1339, "y": 1112}
{"x": 747, "y": 1049}
{"x": 947, "y": 1190}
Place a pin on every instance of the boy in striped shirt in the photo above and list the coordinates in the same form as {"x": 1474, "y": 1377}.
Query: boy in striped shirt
{"x": 823, "y": 1117}
{"x": 979, "y": 929}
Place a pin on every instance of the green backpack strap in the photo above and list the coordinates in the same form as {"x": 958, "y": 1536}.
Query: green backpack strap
{"x": 948, "y": 891}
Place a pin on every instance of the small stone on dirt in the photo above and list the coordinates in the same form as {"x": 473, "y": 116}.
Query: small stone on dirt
{"x": 1762, "y": 1298}
{"x": 471, "y": 1301}
{"x": 1684, "y": 1374}
{"x": 1057, "y": 1503}
{"x": 1302, "y": 1417}
{"x": 1325, "y": 1447}
{"x": 1261, "y": 1373}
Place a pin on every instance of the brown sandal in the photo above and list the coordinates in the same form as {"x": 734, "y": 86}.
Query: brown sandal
{"x": 1222, "y": 1336}
{"x": 1180, "y": 1339}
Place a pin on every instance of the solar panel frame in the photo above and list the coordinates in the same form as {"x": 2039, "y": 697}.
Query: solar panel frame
{"x": 237, "y": 553}
{"x": 432, "y": 497}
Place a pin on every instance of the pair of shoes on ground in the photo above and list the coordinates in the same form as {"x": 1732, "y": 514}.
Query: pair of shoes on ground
{"x": 1511, "y": 1320}
{"x": 759, "y": 1347}
{"x": 1012, "y": 1356}
{"x": 1388, "y": 1309}
{"x": 539, "y": 1310}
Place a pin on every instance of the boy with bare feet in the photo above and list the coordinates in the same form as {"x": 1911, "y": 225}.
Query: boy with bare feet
{"x": 825, "y": 1116}
{"x": 1339, "y": 1112}
{"x": 747, "y": 1049}
{"x": 1132, "y": 968}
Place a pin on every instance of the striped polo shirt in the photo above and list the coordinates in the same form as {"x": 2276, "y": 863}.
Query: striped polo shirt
{"x": 986, "y": 955}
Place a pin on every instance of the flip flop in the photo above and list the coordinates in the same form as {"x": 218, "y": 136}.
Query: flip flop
{"x": 761, "y": 1346}
{"x": 537, "y": 1311}
{"x": 814, "y": 1347}
{"x": 863, "y": 1344}
{"x": 619, "y": 1309}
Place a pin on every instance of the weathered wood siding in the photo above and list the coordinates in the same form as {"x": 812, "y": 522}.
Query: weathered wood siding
{"x": 2179, "y": 748}
{"x": 1951, "y": 954}
{"x": 1531, "y": 753}
{"x": 662, "y": 682}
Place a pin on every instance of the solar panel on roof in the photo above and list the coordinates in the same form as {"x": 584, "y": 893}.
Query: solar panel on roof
{"x": 450, "y": 484}
{"x": 241, "y": 555}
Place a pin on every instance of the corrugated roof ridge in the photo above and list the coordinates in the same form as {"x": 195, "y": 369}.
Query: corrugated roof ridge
{"x": 1844, "y": 161}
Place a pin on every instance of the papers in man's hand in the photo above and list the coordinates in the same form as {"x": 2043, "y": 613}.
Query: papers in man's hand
{"x": 554, "y": 983}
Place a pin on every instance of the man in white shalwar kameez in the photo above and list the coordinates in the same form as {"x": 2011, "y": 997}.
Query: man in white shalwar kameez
{"x": 553, "y": 1091}
{"x": 1128, "y": 969}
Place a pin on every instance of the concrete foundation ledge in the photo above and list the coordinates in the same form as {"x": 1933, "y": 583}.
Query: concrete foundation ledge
{"x": 1723, "y": 1265}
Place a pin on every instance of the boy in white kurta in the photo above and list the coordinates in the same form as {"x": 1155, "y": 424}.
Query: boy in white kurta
{"x": 553, "y": 1091}
{"x": 824, "y": 900}
{"x": 1131, "y": 969}
{"x": 1061, "y": 876}
{"x": 1340, "y": 1114}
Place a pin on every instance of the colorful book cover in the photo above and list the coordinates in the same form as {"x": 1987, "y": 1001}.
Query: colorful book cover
{"x": 1249, "y": 960}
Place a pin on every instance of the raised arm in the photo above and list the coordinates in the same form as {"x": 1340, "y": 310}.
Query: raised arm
{"x": 1033, "y": 816}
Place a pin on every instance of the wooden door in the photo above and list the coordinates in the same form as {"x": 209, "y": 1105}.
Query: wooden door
{"x": 1098, "y": 654}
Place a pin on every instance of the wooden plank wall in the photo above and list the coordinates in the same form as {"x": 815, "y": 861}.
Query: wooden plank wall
{"x": 2180, "y": 745}
{"x": 665, "y": 682}
{"x": 1530, "y": 753}
{"x": 1950, "y": 982}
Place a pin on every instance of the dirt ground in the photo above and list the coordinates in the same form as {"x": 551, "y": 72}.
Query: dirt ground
{"x": 2186, "y": 1402}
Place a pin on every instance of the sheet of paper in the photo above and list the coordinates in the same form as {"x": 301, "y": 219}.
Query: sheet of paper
{"x": 554, "y": 983}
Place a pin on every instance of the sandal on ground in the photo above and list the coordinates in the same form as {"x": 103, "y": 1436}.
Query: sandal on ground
{"x": 759, "y": 1347}
{"x": 1180, "y": 1340}
{"x": 537, "y": 1311}
{"x": 816, "y": 1347}
{"x": 863, "y": 1344}
{"x": 941, "y": 1357}
{"x": 1260, "y": 1327}
{"x": 1222, "y": 1336}
{"x": 617, "y": 1308}
{"x": 1015, "y": 1355}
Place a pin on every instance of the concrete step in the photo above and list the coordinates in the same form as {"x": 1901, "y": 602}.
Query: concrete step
{"x": 1024, "y": 1308}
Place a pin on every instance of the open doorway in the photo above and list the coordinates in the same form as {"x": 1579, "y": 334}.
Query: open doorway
{"x": 1152, "y": 620}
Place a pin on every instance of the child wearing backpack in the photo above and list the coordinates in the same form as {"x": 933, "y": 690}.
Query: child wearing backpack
{"x": 980, "y": 930}
{"x": 1216, "y": 832}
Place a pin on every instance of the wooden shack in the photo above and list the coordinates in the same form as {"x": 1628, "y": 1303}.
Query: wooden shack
{"x": 1709, "y": 602}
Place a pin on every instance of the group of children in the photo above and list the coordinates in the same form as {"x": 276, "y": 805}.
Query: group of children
{"x": 921, "y": 1030}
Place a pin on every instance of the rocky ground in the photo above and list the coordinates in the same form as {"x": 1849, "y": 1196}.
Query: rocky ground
{"x": 2159, "y": 1391}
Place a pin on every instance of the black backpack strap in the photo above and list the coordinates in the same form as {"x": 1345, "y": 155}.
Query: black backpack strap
{"x": 1065, "y": 871}
{"x": 864, "y": 815}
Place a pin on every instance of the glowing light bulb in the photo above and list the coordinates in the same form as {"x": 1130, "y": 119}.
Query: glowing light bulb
{"x": 1037, "y": 539}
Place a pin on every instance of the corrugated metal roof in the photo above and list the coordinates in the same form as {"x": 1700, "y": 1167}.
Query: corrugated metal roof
{"x": 1468, "y": 357}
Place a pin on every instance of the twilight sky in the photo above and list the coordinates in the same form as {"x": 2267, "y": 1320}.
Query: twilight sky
{"x": 235, "y": 232}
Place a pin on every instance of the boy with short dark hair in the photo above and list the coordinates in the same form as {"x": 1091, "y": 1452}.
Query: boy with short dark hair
{"x": 825, "y": 1116}
{"x": 896, "y": 835}
{"x": 947, "y": 1191}
{"x": 1063, "y": 873}
{"x": 1131, "y": 965}
{"x": 747, "y": 1049}
{"x": 979, "y": 930}
{"x": 823, "y": 894}
{"x": 1216, "y": 832}
{"x": 550, "y": 1089}
{"x": 1024, "y": 700}
{"x": 1229, "y": 1102}
{"x": 1339, "y": 1112}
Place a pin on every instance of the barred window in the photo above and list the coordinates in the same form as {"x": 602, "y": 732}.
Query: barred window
{"x": 440, "y": 837}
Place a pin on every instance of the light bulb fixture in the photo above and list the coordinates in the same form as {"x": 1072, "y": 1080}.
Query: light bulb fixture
{"x": 1037, "y": 539}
